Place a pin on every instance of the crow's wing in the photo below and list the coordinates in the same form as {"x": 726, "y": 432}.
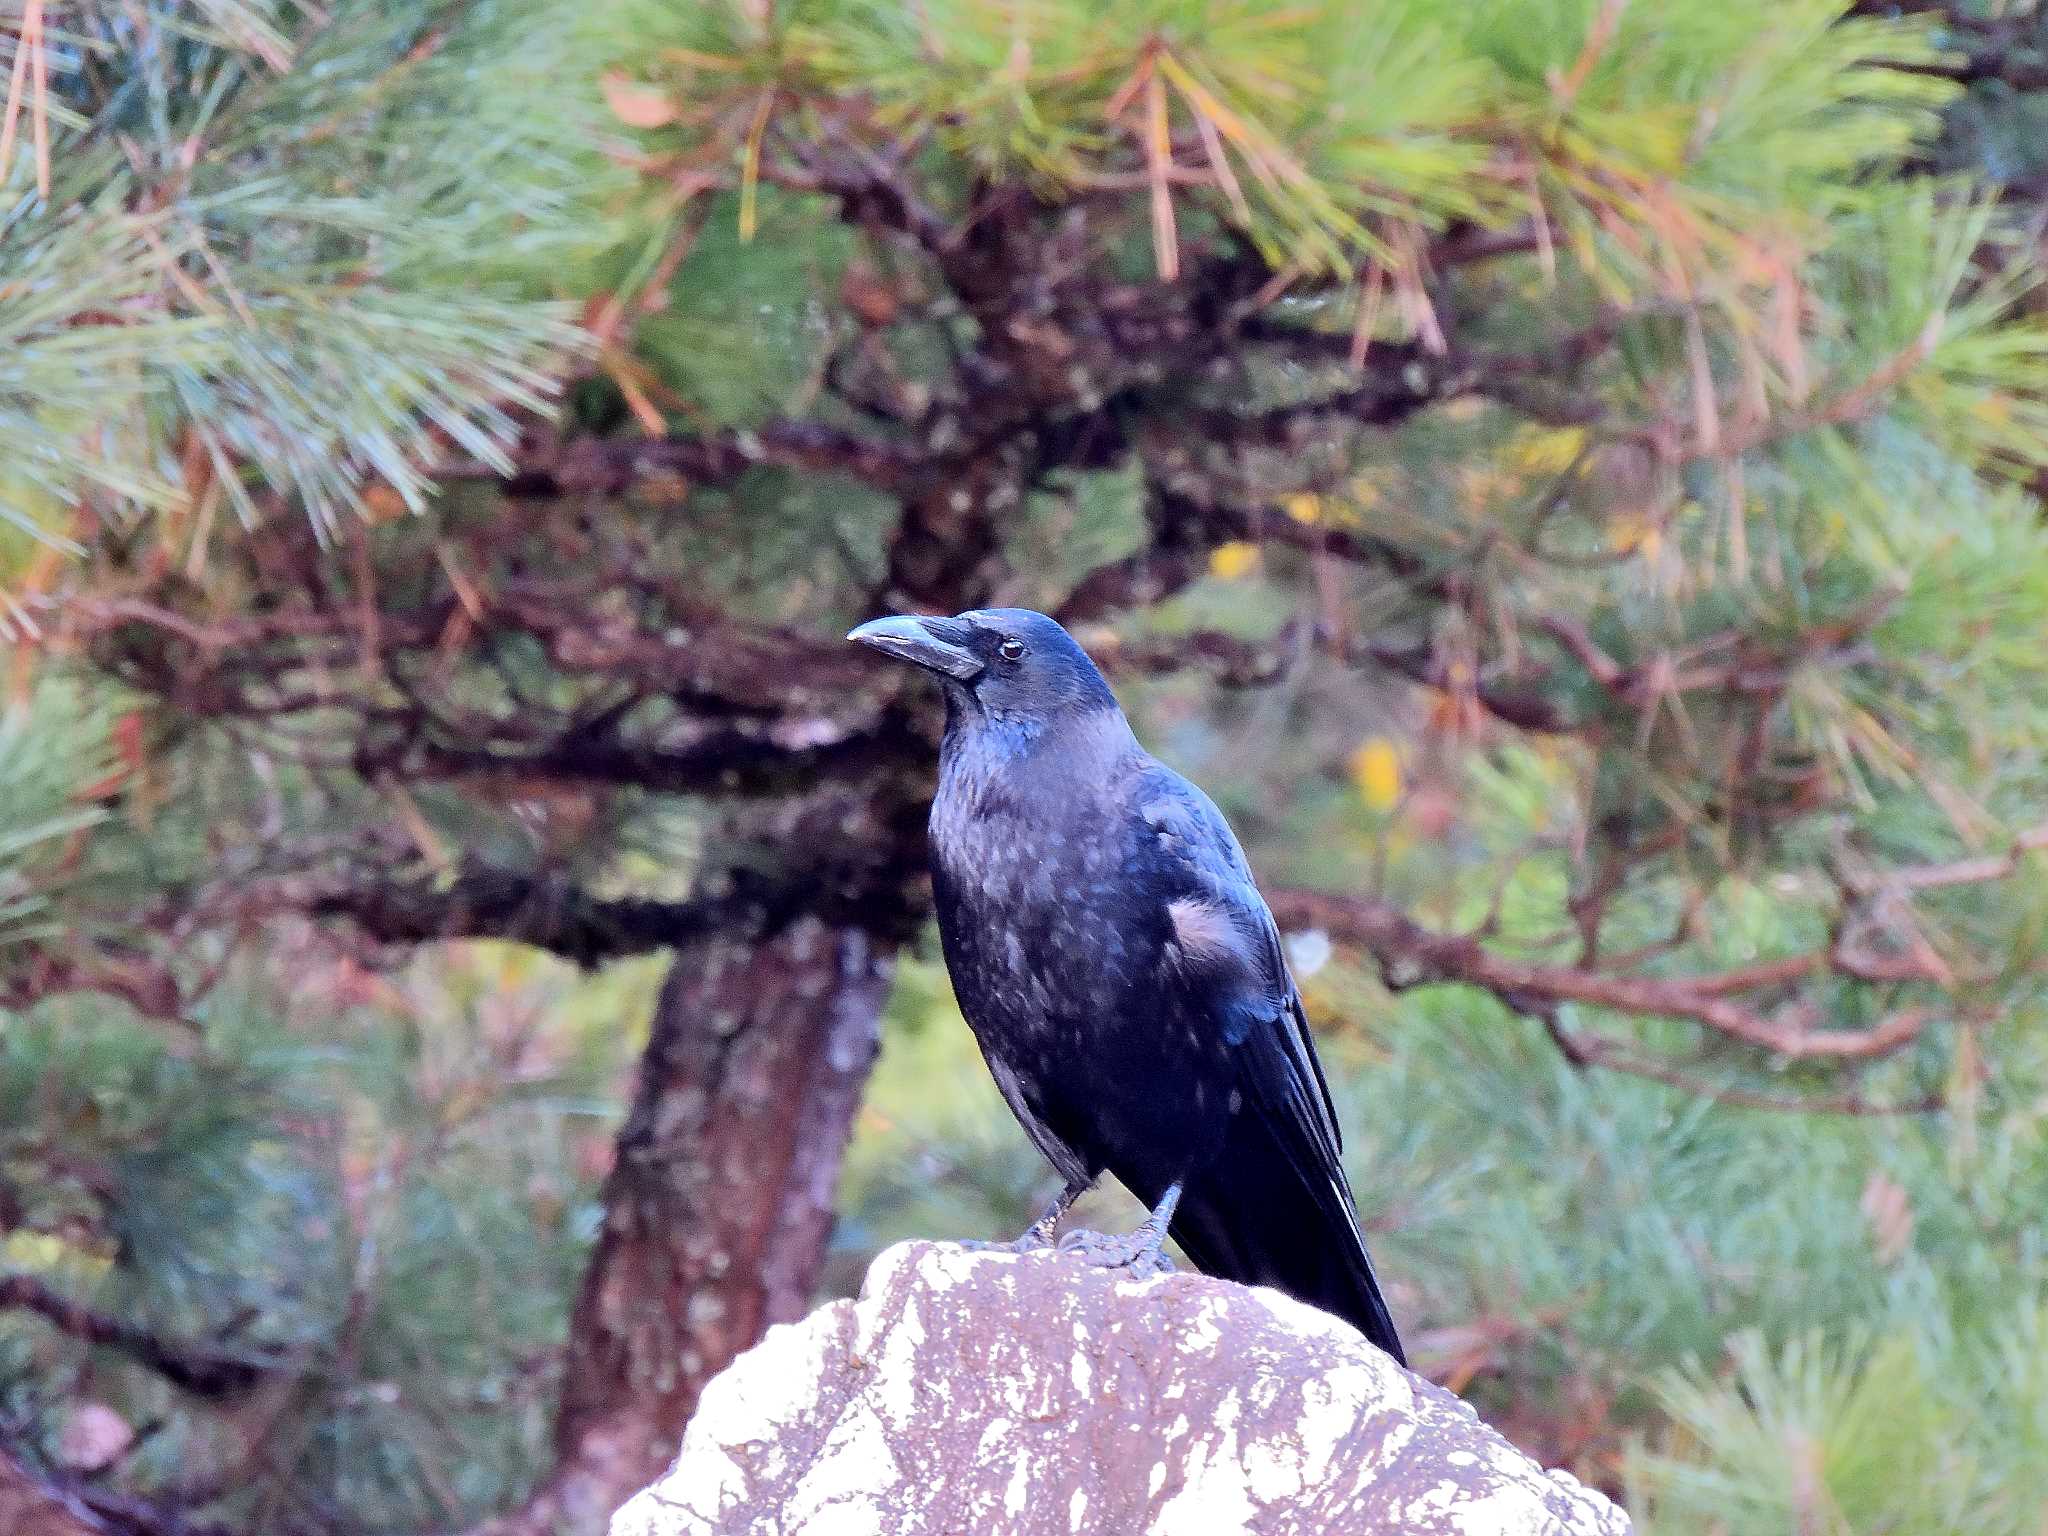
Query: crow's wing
{"x": 1256, "y": 1003}
{"x": 1273, "y": 1207}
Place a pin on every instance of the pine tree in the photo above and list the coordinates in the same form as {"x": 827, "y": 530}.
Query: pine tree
{"x": 1569, "y": 473}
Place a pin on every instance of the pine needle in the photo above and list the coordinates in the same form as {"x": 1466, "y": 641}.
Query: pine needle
{"x": 750, "y": 164}
{"x": 1158, "y": 160}
{"x": 39, "y": 119}
{"x": 1219, "y": 165}
{"x": 1371, "y": 299}
{"x": 1121, "y": 98}
{"x": 16, "y": 83}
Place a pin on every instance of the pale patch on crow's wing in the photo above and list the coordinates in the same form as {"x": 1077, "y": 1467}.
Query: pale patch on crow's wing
{"x": 1205, "y": 933}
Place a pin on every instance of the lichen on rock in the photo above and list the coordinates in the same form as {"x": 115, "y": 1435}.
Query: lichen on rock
{"x": 1010, "y": 1395}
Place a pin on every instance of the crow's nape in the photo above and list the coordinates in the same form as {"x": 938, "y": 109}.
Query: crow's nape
{"x": 1257, "y": 1217}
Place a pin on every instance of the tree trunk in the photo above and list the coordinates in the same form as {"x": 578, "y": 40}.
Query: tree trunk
{"x": 720, "y": 1203}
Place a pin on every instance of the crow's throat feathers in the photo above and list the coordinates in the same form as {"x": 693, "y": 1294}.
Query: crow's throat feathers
{"x": 982, "y": 754}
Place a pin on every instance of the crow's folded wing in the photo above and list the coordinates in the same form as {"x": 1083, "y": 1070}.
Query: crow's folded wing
{"x": 1246, "y": 986}
{"x": 1273, "y": 1207}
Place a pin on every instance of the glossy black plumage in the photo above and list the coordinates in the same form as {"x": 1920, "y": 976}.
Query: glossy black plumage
{"x": 1120, "y": 970}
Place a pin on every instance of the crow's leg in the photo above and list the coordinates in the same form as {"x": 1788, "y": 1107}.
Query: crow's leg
{"x": 1039, "y": 1234}
{"x": 1139, "y": 1250}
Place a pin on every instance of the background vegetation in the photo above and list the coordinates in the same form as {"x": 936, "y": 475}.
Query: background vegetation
{"x": 1568, "y": 476}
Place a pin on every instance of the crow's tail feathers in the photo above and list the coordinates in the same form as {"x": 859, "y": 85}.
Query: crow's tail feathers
{"x": 1256, "y": 1216}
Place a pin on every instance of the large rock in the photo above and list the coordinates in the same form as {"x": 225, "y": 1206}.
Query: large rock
{"x": 986, "y": 1394}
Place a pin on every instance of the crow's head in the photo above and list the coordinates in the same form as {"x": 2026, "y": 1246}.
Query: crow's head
{"x": 1009, "y": 663}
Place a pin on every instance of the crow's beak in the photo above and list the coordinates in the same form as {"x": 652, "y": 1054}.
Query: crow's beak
{"x": 938, "y": 645}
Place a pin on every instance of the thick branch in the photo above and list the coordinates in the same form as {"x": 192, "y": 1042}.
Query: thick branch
{"x": 723, "y": 761}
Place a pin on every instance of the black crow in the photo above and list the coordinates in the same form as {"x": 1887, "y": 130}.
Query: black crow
{"x": 1123, "y": 975}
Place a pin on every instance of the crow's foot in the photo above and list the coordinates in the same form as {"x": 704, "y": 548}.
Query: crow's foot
{"x": 1037, "y": 1237}
{"x": 1139, "y": 1251}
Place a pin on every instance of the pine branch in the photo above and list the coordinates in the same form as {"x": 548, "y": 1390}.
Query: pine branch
{"x": 144, "y": 982}
{"x": 200, "y": 1369}
{"x": 1583, "y": 1048}
{"x": 1977, "y": 871}
{"x": 722, "y": 761}
{"x": 548, "y": 913}
{"x": 1241, "y": 663}
{"x": 1410, "y": 955}
{"x": 615, "y": 466}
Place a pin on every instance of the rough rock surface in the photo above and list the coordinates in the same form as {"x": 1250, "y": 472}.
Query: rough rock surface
{"x": 992, "y": 1395}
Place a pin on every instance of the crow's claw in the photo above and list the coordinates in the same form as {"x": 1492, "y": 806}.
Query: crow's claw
{"x": 1139, "y": 1251}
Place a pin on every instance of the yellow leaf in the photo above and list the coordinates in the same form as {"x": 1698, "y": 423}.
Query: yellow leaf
{"x": 637, "y": 105}
{"x": 1632, "y": 533}
{"x": 1551, "y": 452}
{"x": 1230, "y": 561}
{"x": 1376, "y": 770}
{"x": 1303, "y": 507}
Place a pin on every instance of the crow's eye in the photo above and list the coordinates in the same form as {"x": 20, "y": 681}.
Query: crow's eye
{"x": 1011, "y": 650}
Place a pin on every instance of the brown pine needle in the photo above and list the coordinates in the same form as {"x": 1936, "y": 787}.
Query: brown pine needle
{"x": 1158, "y": 157}
{"x": 1566, "y": 88}
{"x": 635, "y": 384}
{"x": 208, "y": 504}
{"x": 1370, "y": 302}
{"x": 1738, "y": 520}
{"x": 1268, "y": 160}
{"x": 15, "y": 83}
{"x": 1270, "y": 290}
{"x": 750, "y": 165}
{"x": 466, "y": 592}
{"x": 1413, "y": 293}
{"x": 655, "y": 294}
{"x": 1706, "y": 403}
{"x": 182, "y": 280}
{"x": 39, "y": 117}
{"x": 1121, "y": 99}
{"x": 1219, "y": 164}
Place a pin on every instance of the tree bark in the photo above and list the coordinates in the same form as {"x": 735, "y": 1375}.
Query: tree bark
{"x": 720, "y": 1203}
